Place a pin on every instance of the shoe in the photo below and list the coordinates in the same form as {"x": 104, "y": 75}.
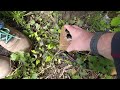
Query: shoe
{"x": 5, "y": 66}
{"x": 13, "y": 40}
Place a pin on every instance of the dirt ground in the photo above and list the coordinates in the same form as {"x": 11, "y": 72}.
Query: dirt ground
{"x": 80, "y": 14}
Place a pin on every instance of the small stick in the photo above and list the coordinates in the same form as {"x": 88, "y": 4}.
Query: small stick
{"x": 71, "y": 58}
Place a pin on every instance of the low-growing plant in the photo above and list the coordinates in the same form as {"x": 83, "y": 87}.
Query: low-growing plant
{"x": 43, "y": 29}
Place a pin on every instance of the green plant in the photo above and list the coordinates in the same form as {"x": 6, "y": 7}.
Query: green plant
{"x": 17, "y": 16}
{"x": 45, "y": 48}
{"x": 100, "y": 64}
{"x": 115, "y": 23}
{"x": 26, "y": 68}
{"x": 44, "y": 29}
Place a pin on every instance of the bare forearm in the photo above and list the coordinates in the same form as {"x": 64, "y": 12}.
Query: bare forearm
{"x": 104, "y": 45}
{"x": 81, "y": 40}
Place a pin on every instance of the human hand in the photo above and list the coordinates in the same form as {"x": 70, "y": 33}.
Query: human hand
{"x": 80, "y": 38}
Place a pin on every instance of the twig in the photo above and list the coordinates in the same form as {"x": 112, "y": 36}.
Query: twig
{"x": 15, "y": 70}
{"x": 28, "y": 14}
{"x": 71, "y": 58}
{"x": 95, "y": 75}
{"x": 55, "y": 54}
{"x": 48, "y": 76}
{"x": 86, "y": 56}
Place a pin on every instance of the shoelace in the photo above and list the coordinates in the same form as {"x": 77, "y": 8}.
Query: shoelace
{"x": 5, "y": 33}
{"x": 5, "y": 36}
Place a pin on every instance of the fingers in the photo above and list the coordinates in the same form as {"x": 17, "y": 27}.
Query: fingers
{"x": 70, "y": 28}
{"x": 71, "y": 47}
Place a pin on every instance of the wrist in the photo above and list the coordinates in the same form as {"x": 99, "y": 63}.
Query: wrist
{"x": 88, "y": 40}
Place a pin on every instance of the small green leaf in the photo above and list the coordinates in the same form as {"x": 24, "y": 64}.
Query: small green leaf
{"x": 48, "y": 59}
{"x": 37, "y": 62}
{"x": 38, "y": 38}
{"x": 79, "y": 61}
{"x": 14, "y": 57}
{"x": 36, "y": 34}
{"x": 117, "y": 29}
{"x": 83, "y": 73}
{"x": 108, "y": 77}
{"x": 72, "y": 21}
{"x": 23, "y": 57}
{"x": 56, "y": 27}
{"x": 37, "y": 26}
{"x": 50, "y": 46}
{"x": 59, "y": 30}
{"x": 115, "y": 21}
{"x": 25, "y": 32}
{"x": 34, "y": 76}
{"x": 32, "y": 22}
{"x": 52, "y": 30}
{"x": 28, "y": 26}
{"x": 26, "y": 78}
{"x": 80, "y": 23}
{"x": 75, "y": 77}
{"x": 33, "y": 51}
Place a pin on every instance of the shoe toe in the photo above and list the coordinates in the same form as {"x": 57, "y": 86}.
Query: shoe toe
{"x": 5, "y": 67}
